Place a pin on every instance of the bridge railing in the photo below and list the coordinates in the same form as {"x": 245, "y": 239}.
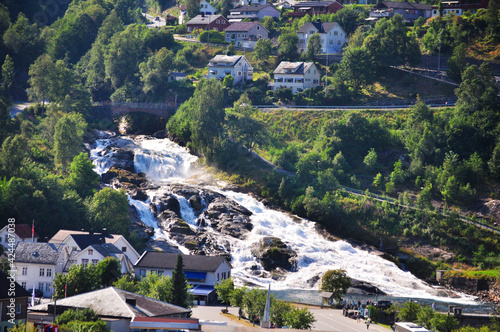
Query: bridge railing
{"x": 138, "y": 105}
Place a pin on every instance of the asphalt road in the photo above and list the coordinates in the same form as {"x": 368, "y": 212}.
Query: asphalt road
{"x": 326, "y": 319}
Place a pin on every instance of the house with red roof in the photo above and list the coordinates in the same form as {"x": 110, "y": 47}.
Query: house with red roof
{"x": 15, "y": 233}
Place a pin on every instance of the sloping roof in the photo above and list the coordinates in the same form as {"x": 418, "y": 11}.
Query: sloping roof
{"x": 207, "y": 19}
{"x": 105, "y": 250}
{"x": 231, "y": 59}
{"x": 177, "y": 74}
{"x": 242, "y": 26}
{"x": 320, "y": 26}
{"x": 403, "y": 5}
{"x": 38, "y": 252}
{"x": 61, "y": 235}
{"x": 162, "y": 260}
{"x": 297, "y": 67}
{"x": 5, "y": 284}
{"x": 24, "y": 231}
{"x": 300, "y": 4}
{"x": 112, "y": 302}
{"x": 251, "y": 8}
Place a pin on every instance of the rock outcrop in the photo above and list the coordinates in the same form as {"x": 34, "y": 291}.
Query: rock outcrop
{"x": 274, "y": 255}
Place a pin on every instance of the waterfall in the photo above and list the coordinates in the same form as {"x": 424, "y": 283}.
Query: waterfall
{"x": 166, "y": 162}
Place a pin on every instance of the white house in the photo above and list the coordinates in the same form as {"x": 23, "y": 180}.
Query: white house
{"x": 206, "y": 8}
{"x": 297, "y": 76}
{"x": 18, "y": 233}
{"x": 79, "y": 240}
{"x": 286, "y": 4}
{"x": 202, "y": 272}
{"x": 236, "y": 65}
{"x": 176, "y": 76}
{"x": 36, "y": 265}
{"x": 245, "y": 34}
{"x": 237, "y": 3}
{"x": 95, "y": 253}
{"x": 253, "y": 12}
{"x": 332, "y": 36}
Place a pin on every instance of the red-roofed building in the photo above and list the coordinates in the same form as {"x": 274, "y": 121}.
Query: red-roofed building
{"x": 311, "y": 8}
{"x": 15, "y": 233}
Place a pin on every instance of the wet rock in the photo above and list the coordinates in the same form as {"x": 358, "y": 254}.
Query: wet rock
{"x": 162, "y": 245}
{"x": 137, "y": 226}
{"x": 160, "y": 134}
{"x": 274, "y": 255}
{"x": 122, "y": 158}
{"x": 167, "y": 202}
{"x": 179, "y": 226}
{"x": 223, "y": 206}
{"x": 363, "y": 288}
{"x": 196, "y": 203}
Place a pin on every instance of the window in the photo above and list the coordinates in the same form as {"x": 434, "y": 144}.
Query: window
{"x": 153, "y": 271}
{"x": 18, "y": 308}
{"x": 239, "y": 73}
{"x": 42, "y": 272}
{"x": 40, "y": 286}
{"x": 47, "y": 287}
{"x": 335, "y": 33}
{"x": 143, "y": 273}
{"x": 95, "y": 261}
{"x": 85, "y": 262}
{"x": 49, "y": 272}
{"x": 315, "y": 81}
{"x": 124, "y": 249}
{"x": 338, "y": 42}
{"x": 160, "y": 272}
{"x": 91, "y": 252}
{"x": 25, "y": 271}
{"x": 23, "y": 284}
{"x": 229, "y": 274}
{"x": 308, "y": 80}
{"x": 218, "y": 21}
{"x": 223, "y": 22}
{"x": 218, "y": 277}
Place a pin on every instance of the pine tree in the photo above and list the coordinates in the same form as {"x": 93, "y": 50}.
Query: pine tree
{"x": 179, "y": 294}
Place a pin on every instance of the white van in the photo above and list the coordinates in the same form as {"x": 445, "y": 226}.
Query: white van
{"x": 409, "y": 327}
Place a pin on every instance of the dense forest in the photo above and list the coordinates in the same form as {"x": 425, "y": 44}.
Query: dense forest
{"x": 432, "y": 165}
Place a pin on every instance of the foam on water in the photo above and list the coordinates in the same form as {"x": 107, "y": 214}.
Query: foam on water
{"x": 165, "y": 161}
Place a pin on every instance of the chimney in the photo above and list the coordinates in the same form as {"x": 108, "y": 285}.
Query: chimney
{"x": 101, "y": 241}
{"x": 318, "y": 20}
{"x": 132, "y": 302}
{"x": 91, "y": 232}
{"x": 202, "y": 14}
{"x": 105, "y": 231}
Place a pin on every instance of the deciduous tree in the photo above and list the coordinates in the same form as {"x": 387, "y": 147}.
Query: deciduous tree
{"x": 336, "y": 282}
{"x": 82, "y": 177}
{"x": 109, "y": 208}
{"x": 68, "y": 138}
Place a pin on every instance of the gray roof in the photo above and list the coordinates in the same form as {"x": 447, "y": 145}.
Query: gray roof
{"x": 167, "y": 261}
{"x": 38, "y": 252}
{"x": 251, "y": 8}
{"x": 243, "y": 26}
{"x": 231, "y": 59}
{"x": 293, "y": 67}
{"x": 313, "y": 3}
{"x": 105, "y": 250}
{"x": 177, "y": 74}
{"x": 403, "y": 5}
{"x": 62, "y": 234}
{"x": 5, "y": 288}
{"x": 112, "y": 302}
{"x": 207, "y": 19}
{"x": 322, "y": 27}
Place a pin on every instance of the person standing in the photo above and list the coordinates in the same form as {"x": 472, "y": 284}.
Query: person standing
{"x": 368, "y": 321}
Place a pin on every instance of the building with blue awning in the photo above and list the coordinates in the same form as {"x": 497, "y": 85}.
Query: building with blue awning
{"x": 202, "y": 272}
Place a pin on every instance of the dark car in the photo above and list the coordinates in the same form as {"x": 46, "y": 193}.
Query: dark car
{"x": 38, "y": 292}
{"x": 384, "y": 304}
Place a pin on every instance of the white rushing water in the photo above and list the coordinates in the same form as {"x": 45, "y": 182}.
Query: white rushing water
{"x": 164, "y": 161}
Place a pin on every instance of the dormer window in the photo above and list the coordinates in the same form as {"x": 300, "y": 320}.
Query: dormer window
{"x": 91, "y": 252}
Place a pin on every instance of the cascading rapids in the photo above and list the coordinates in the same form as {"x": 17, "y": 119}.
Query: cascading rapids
{"x": 164, "y": 161}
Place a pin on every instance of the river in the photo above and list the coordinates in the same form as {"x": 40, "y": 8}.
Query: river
{"x": 165, "y": 162}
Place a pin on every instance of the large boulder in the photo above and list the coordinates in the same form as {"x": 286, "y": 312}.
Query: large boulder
{"x": 228, "y": 217}
{"x": 274, "y": 255}
{"x": 492, "y": 209}
{"x": 167, "y": 202}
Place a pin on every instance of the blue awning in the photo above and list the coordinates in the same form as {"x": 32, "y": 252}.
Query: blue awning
{"x": 196, "y": 275}
{"x": 203, "y": 290}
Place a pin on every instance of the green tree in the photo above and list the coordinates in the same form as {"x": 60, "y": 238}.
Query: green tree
{"x": 68, "y": 138}
{"x": 7, "y": 75}
{"x": 444, "y": 323}
{"x": 237, "y": 297}
{"x": 109, "y": 208}
{"x": 456, "y": 63}
{"x": 78, "y": 280}
{"x": 262, "y": 50}
{"x": 192, "y": 8}
{"x": 288, "y": 47}
{"x": 355, "y": 69}
{"x": 377, "y": 181}
{"x": 224, "y": 290}
{"x": 83, "y": 315}
{"x": 82, "y": 177}
{"x": 425, "y": 197}
{"x": 278, "y": 310}
{"x": 126, "y": 283}
{"x": 313, "y": 47}
{"x": 336, "y": 282}
{"x": 301, "y": 319}
{"x": 5, "y": 119}
{"x": 228, "y": 81}
{"x": 224, "y": 6}
{"x": 409, "y": 312}
{"x": 370, "y": 159}
{"x": 440, "y": 8}
{"x": 154, "y": 74}
{"x": 254, "y": 303}
{"x": 109, "y": 271}
{"x": 155, "y": 286}
{"x": 424, "y": 317}
{"x": 179, "y": 294}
